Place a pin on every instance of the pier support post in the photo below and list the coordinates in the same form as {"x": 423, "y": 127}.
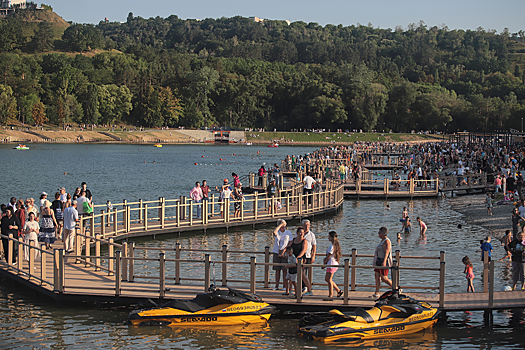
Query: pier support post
{"x": 252, "y": 275}
{"x": 117, "y": 273}
{"x": 206, "y": 273}
{"x": 177, "y": 263}
{"x": 345, "y": 284}
{"x": 162, "y": 283}
{"x": 224, "y": 265}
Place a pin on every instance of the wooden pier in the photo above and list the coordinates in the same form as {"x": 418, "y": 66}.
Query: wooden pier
{"x": 107, "y": 272}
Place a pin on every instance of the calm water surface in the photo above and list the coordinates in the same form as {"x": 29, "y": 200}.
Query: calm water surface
{"x": 118, "y": 172}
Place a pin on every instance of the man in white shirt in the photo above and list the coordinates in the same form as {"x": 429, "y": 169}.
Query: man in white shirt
{"x": 70, "y": 222}
{"x": 281, "y": 238}
{"x": 308, "y": 182}
{"x": 310, "y": 249}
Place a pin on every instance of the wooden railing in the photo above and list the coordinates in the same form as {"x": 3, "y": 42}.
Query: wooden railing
{"x": 141, "y": 216}
{"x": 121, "y": 265}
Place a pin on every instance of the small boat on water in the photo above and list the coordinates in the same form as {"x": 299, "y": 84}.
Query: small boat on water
{"x": 393, "y": 315}
{"x": 215, "y": 308}
{"x": 21, "y": 147}
{"x": 157, "y": 145}
{"x": 248, "y": 144}
{"x": 274, "y": 145}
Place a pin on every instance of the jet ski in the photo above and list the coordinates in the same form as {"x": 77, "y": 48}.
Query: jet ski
{"x": 215, "y": 308}
{"x": 394, "y": 314}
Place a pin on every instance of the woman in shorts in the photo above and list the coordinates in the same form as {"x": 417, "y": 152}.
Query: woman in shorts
{"x": 333, "y": 255}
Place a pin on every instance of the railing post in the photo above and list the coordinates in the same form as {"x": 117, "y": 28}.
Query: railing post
{"x": 97, "y": 252}
{"x": 92, "y": 224}
{"x": 162, "y": 283}
{"x": 87, "y": 250}
{"x": 179, "y": 212}
{"x": 299, "y": 291}
{"x": 177, "y": 263}
{"x": 267, "y": 267}
{"x": 125, "y": 219}
{"x": 131, "y": 247}
{"x": 345, "y": 284}
{"x": 255, "y": 205}
{"x": 20, "y": 255}
{"x": 145, "y": 217}
{"x": 111, "y": 255}
{"x": 224, "y": 265}
{"x": 56, "y": 268}
{"x": 300, "y": 204}
{"x": 491, "y": 288}
{"x": 31, "y": 262}
{"x": 205, "y": 212}
{"x": 486, "y": 272}
{"x": 115, "y": 222}
{"x": 163, "y": 213}
{"x": 395, "y": 282}
{"x": 160, "y": 210}
{"x": 191, "y": 211}
{"x": 141, "y": 206}
{"x": 102, "y": 223}
{"x": 43, "y": 266}
{"x": 62, "y": 269}
{"x": 354, "y": 263}
{"x": 288, "y": 204}
{"x": 124, "y": 263}
{"x": 441, "y": 284}
{"x": 10, "y": 249}
{"x": 227, "y": 210}
{"x": 206, "y": 272}
{"x": 128, "y": 217}
{"x": 252, "y": 275}
{"x": 117, "y": 272}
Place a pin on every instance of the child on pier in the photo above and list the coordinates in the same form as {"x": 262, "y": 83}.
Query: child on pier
{"x": 291, "y": 276}
{"x": 469, "y": 274}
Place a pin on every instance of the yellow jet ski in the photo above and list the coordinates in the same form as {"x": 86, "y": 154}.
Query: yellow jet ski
{"x": 393, "y": 315}
{"x": 215, "y": 308}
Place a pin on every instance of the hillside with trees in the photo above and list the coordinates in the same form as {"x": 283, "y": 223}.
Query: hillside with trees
{"x": 239, "y": 73}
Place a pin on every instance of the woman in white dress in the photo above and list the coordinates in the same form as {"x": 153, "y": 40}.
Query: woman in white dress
{"x": 30, "y": 230}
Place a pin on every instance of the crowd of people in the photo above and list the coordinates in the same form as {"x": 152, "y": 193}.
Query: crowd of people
{"x": 45, "y": 221}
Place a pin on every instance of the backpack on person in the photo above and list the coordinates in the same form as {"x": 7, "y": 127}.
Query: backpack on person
{"x": 87, "y": 209}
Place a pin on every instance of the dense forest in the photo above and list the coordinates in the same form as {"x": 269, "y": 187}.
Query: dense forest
{"x": 239, "y": 73}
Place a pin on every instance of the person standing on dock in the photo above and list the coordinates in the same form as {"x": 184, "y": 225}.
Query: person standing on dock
{"x": 311, "y": 248}
{"x": 282, "y": 236}
{"x": 196, "y": 195}
{"x": 516, "y": 247}
{"x": 205, "y": 190}
{"x": 70, "y": 222}
{"x": 382, "y": 258}
{"x": 225, "y": 193}
{"x": 308, "y": 182}
{"x": 10, "y": 225}
{"x": 261, "y": 173}
{"x": 273, "y": 193}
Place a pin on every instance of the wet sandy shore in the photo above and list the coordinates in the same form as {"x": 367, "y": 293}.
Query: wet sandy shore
{"x": 474, "y": 212}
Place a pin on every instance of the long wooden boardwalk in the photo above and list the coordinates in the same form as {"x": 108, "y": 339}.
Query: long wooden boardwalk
{"x": 112, "y": 278}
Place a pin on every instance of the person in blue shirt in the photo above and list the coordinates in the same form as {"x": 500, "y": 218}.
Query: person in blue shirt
{"x": 486, "y": 247}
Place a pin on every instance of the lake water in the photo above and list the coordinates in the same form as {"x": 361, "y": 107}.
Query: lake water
{"x": 118, "y": 172}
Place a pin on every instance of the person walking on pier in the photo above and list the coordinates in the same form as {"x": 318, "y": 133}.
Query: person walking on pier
{"x": 282, "y": 237}
{"x": 311, "y": 249}
{"x": 469, "y": 274}
{"x": 308, "y": 182}
{"x": 488, "y": 203}
{"x": 516, "y": 247}
{"x": 48, "y": 224}
{"x": 70, "y": 222}
{"x": 382, "y": 258}
{"x": 300, "y": 246}
{"x": 333, "y": 256}
{"x": 261, "y": 173}
{"x": 196, "y": 195}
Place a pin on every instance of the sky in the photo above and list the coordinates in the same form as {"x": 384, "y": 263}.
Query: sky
{"x": 455, "y": 14}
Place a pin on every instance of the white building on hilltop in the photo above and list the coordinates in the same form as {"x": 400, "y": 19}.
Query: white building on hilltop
{"x": 13, "y": 3}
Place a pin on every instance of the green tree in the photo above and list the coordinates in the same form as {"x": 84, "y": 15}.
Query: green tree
{"x": 83, "y": 37}
{"x": 7, "y": 104}
{"x": 44, "y": 38}
{"x": 26, "y": 104}
{"x": 39, "y": 113}
{"x": 202, "y": 83}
